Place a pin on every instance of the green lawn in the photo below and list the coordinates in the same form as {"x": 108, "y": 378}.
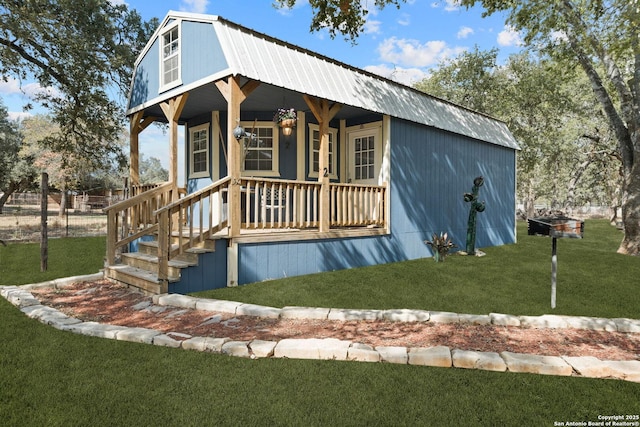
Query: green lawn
{"x": 593, "y": 280}
{"x": 20, "y": 262}
{"x": 53, "y": 378}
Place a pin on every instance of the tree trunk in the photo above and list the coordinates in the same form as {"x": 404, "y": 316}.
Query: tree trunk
{"x": 63, "y": 202}
{"x": 3, "y": 200}
{"x": 631, "y": 210}
{"x": 569, "y": 203}
{"x": 7, "y": 193}
{"x": 530, "y": 202}
{"x": 626, "y": 126}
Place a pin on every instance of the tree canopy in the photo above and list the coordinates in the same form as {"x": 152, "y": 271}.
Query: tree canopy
{"x": 603, "y": 38}
{"x": 16, "y": 172}
{"x": 81, "y": 53}
{"x": 566, "y": 151}
{"x": 346, "y": 17}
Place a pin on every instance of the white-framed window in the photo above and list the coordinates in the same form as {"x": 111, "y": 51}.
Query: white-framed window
{"x": 260, "y": 151}
{"x": 170, "y": 75}
{"x": 314, "y": 151}
{"x": 364, "y": 153}
{"x": 364, "y": 157}
{"x": 199, "y": 151}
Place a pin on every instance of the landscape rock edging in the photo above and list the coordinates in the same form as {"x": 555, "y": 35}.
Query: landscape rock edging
{"x": 335, "y": 349}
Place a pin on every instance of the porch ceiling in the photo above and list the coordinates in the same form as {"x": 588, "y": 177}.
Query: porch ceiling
{"x": 269, "y": 98}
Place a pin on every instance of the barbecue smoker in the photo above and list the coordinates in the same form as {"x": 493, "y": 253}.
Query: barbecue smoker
{"x": 555, "y": 227}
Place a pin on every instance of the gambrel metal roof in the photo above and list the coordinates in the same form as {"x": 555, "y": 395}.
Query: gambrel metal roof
{"x": 260, "y": 57}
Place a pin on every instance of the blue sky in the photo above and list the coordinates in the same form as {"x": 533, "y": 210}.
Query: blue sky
{"x": 405, "y": 42}
{"x": 402, "y": 44}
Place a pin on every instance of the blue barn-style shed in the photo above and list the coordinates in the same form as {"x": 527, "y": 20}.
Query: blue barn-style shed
{"x": 367, "y": 170}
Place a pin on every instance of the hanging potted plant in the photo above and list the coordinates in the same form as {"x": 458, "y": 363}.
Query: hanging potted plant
{"x": 286, "y": 118}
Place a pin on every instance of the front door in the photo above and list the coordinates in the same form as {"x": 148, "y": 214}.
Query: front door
{"x": 364, "y": 156}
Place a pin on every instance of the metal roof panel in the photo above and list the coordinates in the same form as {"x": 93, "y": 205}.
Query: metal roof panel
{"x": 263, "y": 58}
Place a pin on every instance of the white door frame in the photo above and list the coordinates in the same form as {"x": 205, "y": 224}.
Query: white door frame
{"x": 353, "y": 132}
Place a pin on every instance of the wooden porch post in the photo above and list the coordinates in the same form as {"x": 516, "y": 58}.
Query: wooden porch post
{"x": 234, "y": 95}
{"x": 136, "y": 125}
{"x": 172, "y": 110}
{"x": 323, "y": 113}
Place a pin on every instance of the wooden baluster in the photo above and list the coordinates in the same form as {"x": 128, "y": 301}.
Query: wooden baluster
{"x": 287, "y": 200}
{"x": 200, "y": 205}
{"x": 210, "y": 199}
{"x": 164, "y": 229}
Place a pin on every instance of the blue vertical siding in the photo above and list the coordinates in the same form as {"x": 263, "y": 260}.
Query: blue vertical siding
{"x": 263, "y": 261}
{"x": 201, "y": 52}
{"x": 146, "y": 79}
{"x": 201, "y": 56}
{"x": 430, "y": 172}
{"x": 210, "y": 273}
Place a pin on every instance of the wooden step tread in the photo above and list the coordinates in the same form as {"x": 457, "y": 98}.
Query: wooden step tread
{"x": 154, "y": 259}
{"x": 139, "y": 273}
{"x": 195, "y": 250}
{"x": 185, "y": 234}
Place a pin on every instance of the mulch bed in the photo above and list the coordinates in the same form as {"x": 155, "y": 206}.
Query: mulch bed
{"x": 106, "y": 302}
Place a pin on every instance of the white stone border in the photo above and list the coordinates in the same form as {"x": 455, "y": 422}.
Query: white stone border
{"x": 335, "y": 349}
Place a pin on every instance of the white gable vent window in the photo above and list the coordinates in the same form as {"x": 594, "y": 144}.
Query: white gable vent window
{"x": 170, "y": 57}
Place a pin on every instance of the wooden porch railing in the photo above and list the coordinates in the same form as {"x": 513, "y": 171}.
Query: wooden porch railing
{"x": 192, "y": 219}
{"x": 355, "y": 205}
{"x": 265, "y": 204}
{"x": 274, "y": 203}
{"x": 133, "y": 218}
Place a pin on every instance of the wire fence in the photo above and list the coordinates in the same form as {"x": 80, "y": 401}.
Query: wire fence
{"x": 22, "y": 223}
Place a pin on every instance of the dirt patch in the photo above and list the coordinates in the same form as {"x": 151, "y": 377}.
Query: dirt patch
{"x": 106, "y": 302}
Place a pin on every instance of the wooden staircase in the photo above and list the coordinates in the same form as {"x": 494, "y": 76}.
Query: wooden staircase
{"x": 140, "y": 269}
{"x": 169, "y": 240}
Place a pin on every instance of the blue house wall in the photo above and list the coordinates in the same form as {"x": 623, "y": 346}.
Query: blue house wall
{"x": 430, "y": 172}
{"x": 210, "y": 273}
{"x": 198, "y": 60}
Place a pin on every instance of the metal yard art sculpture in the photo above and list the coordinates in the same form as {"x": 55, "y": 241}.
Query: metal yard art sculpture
{"x": 476, "y": 206}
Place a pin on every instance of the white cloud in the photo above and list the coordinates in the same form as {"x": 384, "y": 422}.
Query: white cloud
{"x": 372, "y": 27}
{"x": 509, "y": 37}
{"x": 559, "y": 37}
{"x": 288, "y": 12}
{"x": 11, "y": 86}
{"x": 404, "y": 20}
{"x": 464, "y": 32}
{"x": 195, "y": 6}
{"x": 31, "y": 90}
{"x": 407, "y": 76}
{"x": 408, "y": 52}
{"x": 18, "y": 115}
{"x": 452, "y": 5}
{"x": 449, "y": 5}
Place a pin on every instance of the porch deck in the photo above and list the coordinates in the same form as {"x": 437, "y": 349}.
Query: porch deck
{"x": 266, "y": 210}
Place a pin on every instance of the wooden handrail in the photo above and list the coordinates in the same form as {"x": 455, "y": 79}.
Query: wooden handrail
{"x": 174, "y": 216}
{"x": 136, "y": 215}
{"x": 132, "y": 201}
